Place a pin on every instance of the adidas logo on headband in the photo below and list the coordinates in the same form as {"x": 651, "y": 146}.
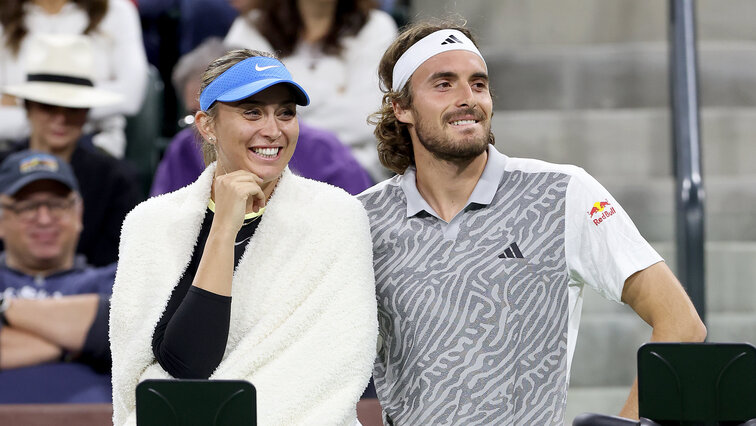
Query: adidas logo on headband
{"x": 427, "y": 47}
{"x": 451, "y": 39}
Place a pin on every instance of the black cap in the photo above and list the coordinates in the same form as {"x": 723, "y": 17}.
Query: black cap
{"x": 24, "y": 167}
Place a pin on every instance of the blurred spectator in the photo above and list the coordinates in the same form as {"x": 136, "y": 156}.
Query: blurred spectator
{"x": 120, "y": 67}
{"x": 244, "y": 6}
{"x": 332, "y": 48}
{"x": 56, "y": 107}
{"x": 319, "y": 154}
{"x": 172, "y": 28}
{"x": 53, "y": 306}
{"x": 201, "y": 19}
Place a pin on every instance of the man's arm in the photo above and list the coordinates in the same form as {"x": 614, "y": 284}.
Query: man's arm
{"x": 21, "y": 349}
{"x": 63, "y": 321}
{"x": 656, "y": 296}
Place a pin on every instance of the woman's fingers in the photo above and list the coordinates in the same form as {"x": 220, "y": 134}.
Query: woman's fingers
{"x": 256, "y": 200}
{"x": 234, "y": 192}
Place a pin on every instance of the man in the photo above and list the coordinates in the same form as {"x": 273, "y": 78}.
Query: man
{"x": 480, "y": 259}
{"x": 57, "y": 98}
{"x": 53, "y": 306}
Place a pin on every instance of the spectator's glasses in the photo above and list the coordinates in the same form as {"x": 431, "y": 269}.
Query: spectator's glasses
{"x": 27, "y": 211}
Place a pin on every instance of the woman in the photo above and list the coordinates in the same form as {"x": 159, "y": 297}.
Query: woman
{"x": 319, "y": 154}
{"x": 120, "y": 61}
{"x": 333, "y": 47}
{"x": 250, "y": 272}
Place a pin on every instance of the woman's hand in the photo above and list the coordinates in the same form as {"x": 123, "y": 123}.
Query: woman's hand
{"x": 233, "y": 193}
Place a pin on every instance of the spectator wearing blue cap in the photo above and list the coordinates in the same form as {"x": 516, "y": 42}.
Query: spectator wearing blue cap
{"x": 53, "y": 306}
{"x": 250, "y": 272}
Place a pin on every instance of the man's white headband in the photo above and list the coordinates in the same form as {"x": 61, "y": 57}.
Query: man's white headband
{"x": 429, "y": 46}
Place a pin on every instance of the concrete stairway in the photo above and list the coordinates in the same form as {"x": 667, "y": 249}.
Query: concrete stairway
{"x": 585, "y": 82}
{"x": 629, "y": 152}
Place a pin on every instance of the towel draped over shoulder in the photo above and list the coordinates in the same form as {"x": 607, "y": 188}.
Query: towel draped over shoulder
{"x": 303, "y": 313}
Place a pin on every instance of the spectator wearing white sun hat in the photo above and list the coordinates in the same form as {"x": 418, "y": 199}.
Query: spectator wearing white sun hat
{"x": 57, "y": 97}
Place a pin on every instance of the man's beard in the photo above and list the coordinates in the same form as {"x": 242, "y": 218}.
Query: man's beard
{"x": 443, "y": 147}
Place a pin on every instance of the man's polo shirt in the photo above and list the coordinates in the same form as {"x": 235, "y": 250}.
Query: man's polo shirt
{"x": 479, "y": 316}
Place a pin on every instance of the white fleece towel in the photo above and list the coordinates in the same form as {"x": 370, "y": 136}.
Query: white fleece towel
{"x": 303, "y": 311}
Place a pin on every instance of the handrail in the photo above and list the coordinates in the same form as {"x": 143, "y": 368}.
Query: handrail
{"x": 689, "y": 200}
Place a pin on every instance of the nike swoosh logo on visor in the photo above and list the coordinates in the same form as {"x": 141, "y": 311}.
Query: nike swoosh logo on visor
{"x": 259, "y": 68}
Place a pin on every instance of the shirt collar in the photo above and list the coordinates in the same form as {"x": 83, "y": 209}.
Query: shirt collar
{"x": 415, "y": 202}
{"x": 483, "y": 193}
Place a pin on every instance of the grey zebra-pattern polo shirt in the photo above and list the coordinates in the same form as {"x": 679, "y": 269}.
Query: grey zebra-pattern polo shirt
{"x": 478, "y": 317}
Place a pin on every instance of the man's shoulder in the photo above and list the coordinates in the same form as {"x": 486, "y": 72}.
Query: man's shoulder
{"x": 382, "y": 188}
{"x": 382, "y": 191}
{"x": 532, "y": 165}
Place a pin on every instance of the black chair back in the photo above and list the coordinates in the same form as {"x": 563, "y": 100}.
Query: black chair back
{"x": 701, "y": 383}
{"x": 196, "y": 402}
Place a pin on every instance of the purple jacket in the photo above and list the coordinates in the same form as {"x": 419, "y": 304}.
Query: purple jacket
{"x": 319, "y": 156}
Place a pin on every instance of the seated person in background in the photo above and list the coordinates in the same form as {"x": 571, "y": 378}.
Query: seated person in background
{"x": 53, "y": 305}
{"x": 319, "y": 155}
{"x": 120, "y": 66}
{"x": 57, "y": 111}
{"x": 172, "y": 28}
{"x": 332, "y": 48}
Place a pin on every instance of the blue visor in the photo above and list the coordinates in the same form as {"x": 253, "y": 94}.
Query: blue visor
{"x": 247, "y": 78}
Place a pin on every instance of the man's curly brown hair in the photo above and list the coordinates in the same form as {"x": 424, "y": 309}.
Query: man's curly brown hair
{"x": 394, "y": 143}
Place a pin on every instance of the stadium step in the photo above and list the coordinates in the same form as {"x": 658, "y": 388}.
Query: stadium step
{"x": 607, "y": 344}
{"x": 622, "y": 75}
{"x": 577, "y": 22}
{"x": 728, "y": 265}
{"x": 603, "y": 141}
{"x": 730, "y": 209}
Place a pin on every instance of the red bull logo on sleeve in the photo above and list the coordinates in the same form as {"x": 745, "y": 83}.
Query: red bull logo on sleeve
{"x": 600, "y": 211}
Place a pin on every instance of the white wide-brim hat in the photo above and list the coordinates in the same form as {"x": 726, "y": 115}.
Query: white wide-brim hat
{"x": 59, "y": 71}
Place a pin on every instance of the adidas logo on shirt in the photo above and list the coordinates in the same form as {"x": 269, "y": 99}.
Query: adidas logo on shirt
{"x": 511, "y": 252}
{"x": 451, "y": 40}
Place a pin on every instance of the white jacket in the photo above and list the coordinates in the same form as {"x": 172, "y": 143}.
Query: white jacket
{"x": 303, "y": 314}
